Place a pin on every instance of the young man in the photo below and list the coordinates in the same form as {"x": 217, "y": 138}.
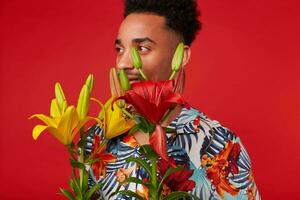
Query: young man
{"x": 220, "y": 164}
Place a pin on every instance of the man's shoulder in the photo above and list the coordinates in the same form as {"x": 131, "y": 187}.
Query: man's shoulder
{"x": 193, "y": 116}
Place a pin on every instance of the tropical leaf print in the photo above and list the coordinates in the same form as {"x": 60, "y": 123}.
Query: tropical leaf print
{"x": 191, "y": 137}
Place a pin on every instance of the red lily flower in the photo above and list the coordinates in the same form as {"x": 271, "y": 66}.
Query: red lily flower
{"x": 179, "y": 180}
{"x": 152, "y": 99}
{"x": 158, "y": 141}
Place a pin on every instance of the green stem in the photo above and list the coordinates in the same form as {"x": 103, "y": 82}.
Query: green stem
{"x": 81, "y": 170}
{"x": 167, "y": 115}
{"x": 172, "y": 75}
{"x": 127, "y": 113}
{"x": 154, "y": 178}
{"x": 142, "y": 74}
{"x": 71, "y": 152}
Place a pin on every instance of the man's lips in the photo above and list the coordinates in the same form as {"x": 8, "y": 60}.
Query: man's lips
{"x": 133, "y": 78}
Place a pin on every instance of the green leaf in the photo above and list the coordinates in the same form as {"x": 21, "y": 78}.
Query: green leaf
{"x": 147, "y": 151}
{"x": 144, "y": 125}
{"x": 82, "y": 143}
{"x": 76, "y": 187}
{"x": 132, "y": 180}
{"x": 66, "y": 193}
{"x": 72, "y": 146}
{"x": 71, "y": 184}
{"x": 169, "y": 130}
{"x": 134, "y": 129}
{"x": 178, "y": 195}
{"x": 137, "y": 181}
{"x": 151, "y": 129}
{"x": 141, "y": 163}
{"x": 85, "y": 181}
{"x": 71, "y": 151}
{"x": 76, "y": 164}
{"x": 91, "y": 161}
{"x": 91, "y": 191}
{"x": 131, "y": 194}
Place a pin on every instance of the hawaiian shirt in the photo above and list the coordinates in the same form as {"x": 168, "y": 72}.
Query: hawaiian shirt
{"x": 221, "y": 166}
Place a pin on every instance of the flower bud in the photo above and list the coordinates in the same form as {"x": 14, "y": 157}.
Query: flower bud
{"x": 136, "y": 59}
{"x": 124, "y": 80}
{"x": 90, "y": 82}
{"x": 83, "y": 102}
{"x": 60, "y": 97}
{"x": 178, "y": 56}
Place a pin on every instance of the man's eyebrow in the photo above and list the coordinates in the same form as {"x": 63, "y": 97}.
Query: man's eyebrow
{"x": 136, "y": 40}
{"x": 141, "y": 40}
{"x": 118, "y": 41}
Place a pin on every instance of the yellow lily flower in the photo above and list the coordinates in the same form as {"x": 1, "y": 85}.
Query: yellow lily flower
{"x": 115, "y": 122}
{"x": 65, "y": 121}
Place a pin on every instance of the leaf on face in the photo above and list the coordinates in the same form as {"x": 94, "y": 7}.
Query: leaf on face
{"x": 136, "y": 59}
{"x": 178, "y": 56}
{"x": 124, "y": 82}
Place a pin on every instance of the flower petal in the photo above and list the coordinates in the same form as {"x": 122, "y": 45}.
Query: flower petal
{"x": 54, "y": 109}
{"x": 60, "y": 136}
{"x": 152, "y": 99}
{"x": 37, "y": 130}
{"x": 66, "y": 123}
{"x": 144, "y": 106}
{"x": 116, "y": 124}
{"x": 158, "y": 142}
{"x": 187, "y": 185}
{"x": 179, "y": 81}
{"x": 47, "y": 120}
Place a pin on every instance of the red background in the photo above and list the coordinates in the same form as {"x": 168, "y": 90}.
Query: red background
{"x": 244, "y": 72}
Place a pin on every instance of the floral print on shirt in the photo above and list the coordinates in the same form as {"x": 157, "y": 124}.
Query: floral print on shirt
{"x": 221, "y": 166}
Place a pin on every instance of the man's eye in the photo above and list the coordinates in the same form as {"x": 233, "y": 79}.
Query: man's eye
{"x": 119, "y": 49}
{"x": 143, "y": 49}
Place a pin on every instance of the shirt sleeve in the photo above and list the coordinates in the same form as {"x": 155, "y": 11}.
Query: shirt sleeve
{"x": 225, "y": 166}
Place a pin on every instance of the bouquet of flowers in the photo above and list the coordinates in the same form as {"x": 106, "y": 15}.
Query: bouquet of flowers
{"x": 152, "y": 103}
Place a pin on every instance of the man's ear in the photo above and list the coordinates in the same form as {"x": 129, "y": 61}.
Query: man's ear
{"x": 186, "y": 55}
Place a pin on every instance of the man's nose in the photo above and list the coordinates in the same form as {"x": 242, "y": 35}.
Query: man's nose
{"x": 125, "y": 61}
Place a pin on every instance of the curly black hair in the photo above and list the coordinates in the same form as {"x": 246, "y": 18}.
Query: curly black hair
{"x": 181, "y": 15}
